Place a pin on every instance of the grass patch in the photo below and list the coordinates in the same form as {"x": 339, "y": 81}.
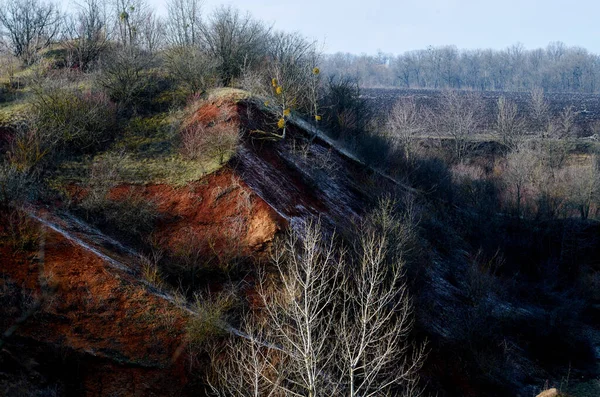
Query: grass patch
{"x": 149, "y": 148}
{"x": 13, "y": 112}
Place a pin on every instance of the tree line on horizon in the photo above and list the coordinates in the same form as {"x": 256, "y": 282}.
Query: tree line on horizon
{"x": 556, "y": 68}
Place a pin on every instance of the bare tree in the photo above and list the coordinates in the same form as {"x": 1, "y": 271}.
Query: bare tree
{"x": 87, "y": 33}
{"x": 521, "y": 164}
{"x": 584, "y": 186}
{"x": 405, "y": 124}
{"x": 329, "y": 326}
{"x": 566, "y": 122}
{"x": 301, "y": 314}
{"x": 30, "y": 26}
{"x": 539, "y": 107}
{"x": 191, "y": 67}
{"x": 290, "y": 67}
{"x": 131, "y": 17}
{"x": 376, "y": 356}
{"x": 508, "y": 123}
{"x": 459, "y": 117}
{"x": 151, "y": 32}
{"x": 184, "y": 22}
{"x": 233, "y": 40}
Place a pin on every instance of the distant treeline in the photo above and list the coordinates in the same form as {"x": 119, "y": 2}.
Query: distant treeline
{"x": 556, "y": 68}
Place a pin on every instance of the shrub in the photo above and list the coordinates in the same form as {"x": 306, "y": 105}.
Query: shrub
{"x": 216, "y": 140}
{"x": 193, "y": 70}
{"x": 70, "y": 120}
{"x": 132, "y": 216}
{"x": 27, "y": 147}
{"x": 129, "y": 79}
{"x": 16, "y": 187}
{"x": 346, "y": 114}
{"x": 208, "y": 320}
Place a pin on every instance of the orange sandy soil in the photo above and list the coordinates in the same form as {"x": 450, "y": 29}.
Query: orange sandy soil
{"x": 220, "y": 213}
{"x": 134, "y": 339}
{"x": 102, "y": 313}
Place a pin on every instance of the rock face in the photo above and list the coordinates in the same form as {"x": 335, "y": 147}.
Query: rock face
{"x": 548, "y": 393}
{"x": 91, "y": 325}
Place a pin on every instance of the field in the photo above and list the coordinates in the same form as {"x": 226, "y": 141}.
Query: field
{"x": 587, "y": 106}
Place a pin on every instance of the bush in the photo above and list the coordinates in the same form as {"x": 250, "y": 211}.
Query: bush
{"x": 17, "y": 187}
{"x": 209, "y": 319}
{"x": 129, "y": 79}
{"x": 191, "y": 69}
{"x": 71, "y": 120}
{"x": 216, "y": 140}
{"x": 131, "y": 217}
{"x": 346, "y": 114}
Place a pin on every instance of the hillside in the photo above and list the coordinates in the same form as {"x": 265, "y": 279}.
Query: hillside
{"x": 93, "y": 316}
{"x": 94, "y": 303}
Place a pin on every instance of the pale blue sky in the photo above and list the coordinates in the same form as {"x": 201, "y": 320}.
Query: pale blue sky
{"x": 365, "y": 26}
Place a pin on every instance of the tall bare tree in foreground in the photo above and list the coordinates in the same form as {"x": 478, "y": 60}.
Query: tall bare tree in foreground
{"x": 331, "y": 323}
{"x": 30, "y": 26}
{"x": 376, "y": 356}
{"x": 302, "y": 313}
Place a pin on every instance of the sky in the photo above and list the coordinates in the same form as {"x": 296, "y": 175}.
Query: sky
{"x": 369, "y": 26}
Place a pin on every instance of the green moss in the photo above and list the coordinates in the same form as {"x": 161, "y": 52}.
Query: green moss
{"x": 13, "y": 112}
{"x": 226, "y": 93}
{"x": 150, "y": 155}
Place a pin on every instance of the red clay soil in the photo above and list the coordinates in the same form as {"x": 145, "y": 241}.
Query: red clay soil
{"x": 130, "y": 339}
{"x": 220, "y": 215}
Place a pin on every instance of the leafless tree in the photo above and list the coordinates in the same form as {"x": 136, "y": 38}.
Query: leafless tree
{"x": 184, "y": 22}
{"x": 329, "y": 324}
{"x": 233, "y": 40}
{"x": 521, "y": 164}
{"x": 566, "y": 122}
{"x": 29, "y": 26}
{"x": 539, "y": 107}
{"x": 151, "y": 32}
{"x": 131, "y": 17}
{"x": 301, "y": 314}
{"x": 376, "y": 356}
{"x": 405, "y": 124}
{"x": 508, "y": 123}
{"x": 458, "y": 116}
{"x": 87, "y": 32}
{"x": 191, "y": 67}
{"x": 290, "y": 67}
{"x": 584, "y": 186}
